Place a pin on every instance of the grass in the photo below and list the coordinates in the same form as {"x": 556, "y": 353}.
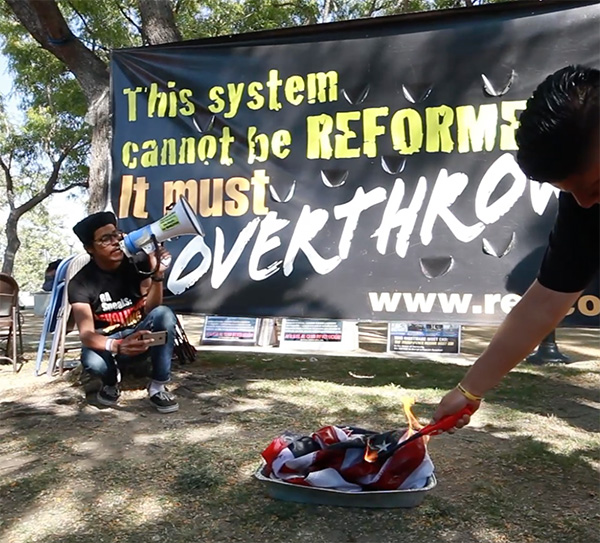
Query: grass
{"x": 524, "y": 471}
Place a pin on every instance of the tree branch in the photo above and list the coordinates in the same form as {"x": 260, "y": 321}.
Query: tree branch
{"x": 131, "y": 21}
{"x": 44, "y": 193}
{"x": 81, "y": 184}
{"x": 325, "y": 11}
{"x": 9, "y": 182}
{"x": 87, "y": 27}
{"x": 46, "y": 24}
{"x": 56, "y": 166}
{"x": 178, "y": 5}
{"x": 372, "y": 8}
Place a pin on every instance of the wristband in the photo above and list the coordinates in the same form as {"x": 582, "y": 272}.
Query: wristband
{"x": 108, "y": 345}
{"x": 158, "y": 279}
{"x": 467, "y": 394}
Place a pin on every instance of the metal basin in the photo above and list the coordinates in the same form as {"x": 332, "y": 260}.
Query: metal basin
{"x": 280, "y": 490}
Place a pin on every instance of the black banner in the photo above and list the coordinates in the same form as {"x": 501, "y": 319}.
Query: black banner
{"x": 359, "y": 170}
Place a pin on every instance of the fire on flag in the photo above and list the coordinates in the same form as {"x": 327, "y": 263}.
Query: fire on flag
{"x": 352, "y": 459}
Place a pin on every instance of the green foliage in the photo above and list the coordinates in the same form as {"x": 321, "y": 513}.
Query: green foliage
{"x": 43, "y": 81}
{"x": 103, "y": 26}
{"x": 201, "y": 19}
{"x": 29, "y": 153}
{"x": 42, "y": 241}
{"x": 31, "y": 149}
{"x": 40, "y": 79}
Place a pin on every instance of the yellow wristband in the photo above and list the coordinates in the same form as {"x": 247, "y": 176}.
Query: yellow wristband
{"x": 467, "y": 394}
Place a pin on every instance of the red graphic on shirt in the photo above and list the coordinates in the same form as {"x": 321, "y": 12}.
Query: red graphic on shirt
{"x": 123, "y": 318}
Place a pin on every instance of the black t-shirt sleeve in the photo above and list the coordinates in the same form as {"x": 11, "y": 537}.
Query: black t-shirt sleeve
{"x": 77, "y": 291}
{"x": 572, "y": 257}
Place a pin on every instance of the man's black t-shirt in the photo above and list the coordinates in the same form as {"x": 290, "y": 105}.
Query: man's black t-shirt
{"x": 573, "y": 254}
{"x": 114, "y": 296}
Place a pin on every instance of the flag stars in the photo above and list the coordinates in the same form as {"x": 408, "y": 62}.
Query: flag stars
{"x": 382, "y": 447}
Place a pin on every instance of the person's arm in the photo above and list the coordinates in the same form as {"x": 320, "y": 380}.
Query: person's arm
{"x": 152, "y": 287}
{"x": 132, "y": 345}
{"x": 538, "y": 313}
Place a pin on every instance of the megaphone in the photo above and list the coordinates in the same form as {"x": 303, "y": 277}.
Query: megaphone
{"x": 181, "y": 220}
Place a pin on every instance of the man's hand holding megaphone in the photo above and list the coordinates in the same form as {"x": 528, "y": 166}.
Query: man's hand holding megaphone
{"x": 159, "y": 260}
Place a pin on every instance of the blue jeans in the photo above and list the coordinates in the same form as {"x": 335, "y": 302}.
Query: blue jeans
{"x": 105, "y": 365}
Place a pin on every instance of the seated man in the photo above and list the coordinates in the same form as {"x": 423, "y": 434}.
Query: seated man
{"x": 49, "y": 275}
{"x": 114, "y": 303}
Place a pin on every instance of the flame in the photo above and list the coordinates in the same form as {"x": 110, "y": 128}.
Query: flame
{"x": 370, "y": 455}
{"x": 372, "y": 451}
{"x": 413, "y": 422}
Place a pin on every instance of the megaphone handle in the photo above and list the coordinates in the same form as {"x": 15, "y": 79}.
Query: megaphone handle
{"x": 156, "y": 246}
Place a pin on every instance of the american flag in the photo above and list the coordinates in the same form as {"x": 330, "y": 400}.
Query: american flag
{"x": 349, "y": 459}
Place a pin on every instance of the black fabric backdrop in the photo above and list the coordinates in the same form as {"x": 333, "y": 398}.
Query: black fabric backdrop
{"x": 459, "y": 264}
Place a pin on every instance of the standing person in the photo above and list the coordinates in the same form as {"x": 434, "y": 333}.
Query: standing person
{"x": 558, "y": 140}
{"x": 114, "y": 303}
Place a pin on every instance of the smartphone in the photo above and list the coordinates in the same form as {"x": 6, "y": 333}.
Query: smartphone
{"x": 160, "y": 338}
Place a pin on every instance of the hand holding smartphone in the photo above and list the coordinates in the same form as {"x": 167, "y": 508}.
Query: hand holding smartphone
{"x": 159, "y": 338}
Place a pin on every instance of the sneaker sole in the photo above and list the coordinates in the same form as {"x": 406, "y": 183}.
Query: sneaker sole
{"x": 105, "y": 402}
{"x": 165, "y": 409}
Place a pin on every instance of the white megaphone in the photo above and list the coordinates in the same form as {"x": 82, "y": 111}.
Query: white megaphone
{"x": 181, "y": 220}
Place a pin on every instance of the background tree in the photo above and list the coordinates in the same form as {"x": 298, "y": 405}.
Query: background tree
{"x": 81, "y": 33}
{"x": 42, "y": 241}
{"x": 43, "y": 157}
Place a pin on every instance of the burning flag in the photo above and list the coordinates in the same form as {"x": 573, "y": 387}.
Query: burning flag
{"x": 352, "y": 459}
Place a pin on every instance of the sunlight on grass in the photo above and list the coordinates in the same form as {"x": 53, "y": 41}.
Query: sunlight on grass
{"x": 208, "y": 433}
{"x": 558, "y": 372}
{"x": 144, "y": 508}
{"x": 561, "y": 443}
{"x": 309, "y": 393}
{"x": 12, "y": 444}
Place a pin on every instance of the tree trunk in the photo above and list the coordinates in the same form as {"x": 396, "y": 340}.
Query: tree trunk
{"x": 99, "y": 117}
{"x": 12, "y": 242}
{"x": 158, "y": 22}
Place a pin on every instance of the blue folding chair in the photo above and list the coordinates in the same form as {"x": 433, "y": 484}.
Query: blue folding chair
{"x": 52, "y": 311}
{"x": 61, "y": 329}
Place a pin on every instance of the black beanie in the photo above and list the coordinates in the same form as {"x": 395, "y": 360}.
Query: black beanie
{"x": 85, "y": 229}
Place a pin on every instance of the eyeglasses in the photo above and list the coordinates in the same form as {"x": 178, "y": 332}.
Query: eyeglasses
{"x": 108, "y": 239}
